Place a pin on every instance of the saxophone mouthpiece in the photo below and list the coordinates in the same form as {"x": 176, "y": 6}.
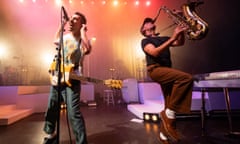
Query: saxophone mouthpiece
{"x": 157, "y": 34}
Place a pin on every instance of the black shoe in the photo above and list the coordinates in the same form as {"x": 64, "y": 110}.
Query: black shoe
{"x": 50, "y": 140}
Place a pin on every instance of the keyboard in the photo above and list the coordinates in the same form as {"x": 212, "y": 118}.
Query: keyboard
{"x": 218, "y": 79}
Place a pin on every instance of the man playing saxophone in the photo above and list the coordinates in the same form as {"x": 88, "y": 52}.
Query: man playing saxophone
{"x": 176, "y": 85}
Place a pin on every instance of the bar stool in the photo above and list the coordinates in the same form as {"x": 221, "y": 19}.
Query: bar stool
{"x": 108, "y": 97}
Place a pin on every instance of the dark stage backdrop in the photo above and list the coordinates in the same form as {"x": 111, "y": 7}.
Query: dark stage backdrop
{"x": 219, "y": 51}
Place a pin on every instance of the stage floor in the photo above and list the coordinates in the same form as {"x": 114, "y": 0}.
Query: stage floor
{"x": 114, "y": 125}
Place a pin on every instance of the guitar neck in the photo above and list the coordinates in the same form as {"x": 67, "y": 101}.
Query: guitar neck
{"x": 117, "y": 84}
{"x": 82, "y": 78}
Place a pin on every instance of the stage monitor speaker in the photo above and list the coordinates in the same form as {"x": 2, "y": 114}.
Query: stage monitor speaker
{"x": 130, "y": 90}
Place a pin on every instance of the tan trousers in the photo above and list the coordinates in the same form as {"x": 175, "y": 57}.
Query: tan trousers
{"x": 177, "y": 88}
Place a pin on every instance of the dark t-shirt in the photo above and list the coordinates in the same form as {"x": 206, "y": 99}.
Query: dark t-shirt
{"x": 164, "y": 59}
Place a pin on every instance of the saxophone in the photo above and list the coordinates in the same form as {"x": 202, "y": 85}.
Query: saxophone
{"x": 197, "y": 27}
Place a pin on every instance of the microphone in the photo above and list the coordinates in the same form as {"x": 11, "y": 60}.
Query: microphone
{"x": 65, "y": 15}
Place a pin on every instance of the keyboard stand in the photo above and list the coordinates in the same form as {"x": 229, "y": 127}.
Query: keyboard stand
{"x": 228, "y": 107}
{"x": 203, "y": 111}
{"x": 231, "y": 133}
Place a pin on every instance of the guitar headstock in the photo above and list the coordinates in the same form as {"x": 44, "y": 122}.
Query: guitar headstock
{"x": 112, "y": 83}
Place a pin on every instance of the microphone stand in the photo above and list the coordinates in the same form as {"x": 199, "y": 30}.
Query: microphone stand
{"x": 60, "y": 74}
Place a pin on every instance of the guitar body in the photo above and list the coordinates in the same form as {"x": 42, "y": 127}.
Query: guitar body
{"x": 64, "y": 74}
{"x": 67, "y": 74}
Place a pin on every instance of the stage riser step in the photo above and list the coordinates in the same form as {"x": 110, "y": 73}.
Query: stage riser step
{"x": 154, "y": 103}
{"x": 7, "y": 107}
{"x": 139, "y": 109}
{"x": 10, "y": 114}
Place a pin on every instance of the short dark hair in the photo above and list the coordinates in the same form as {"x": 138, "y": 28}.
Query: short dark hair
{"x": 82, "y": 17}
{"x": 146, "y": 20}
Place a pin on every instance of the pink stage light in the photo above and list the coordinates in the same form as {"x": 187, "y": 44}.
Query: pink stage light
{"x": 148, "y": 3}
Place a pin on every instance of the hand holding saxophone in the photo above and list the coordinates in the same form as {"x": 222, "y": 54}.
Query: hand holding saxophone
{"x": 179, "y": 31}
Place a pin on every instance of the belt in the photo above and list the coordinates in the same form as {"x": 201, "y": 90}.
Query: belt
{"x": 150, "y": 68}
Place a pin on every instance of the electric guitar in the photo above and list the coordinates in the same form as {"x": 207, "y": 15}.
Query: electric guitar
{"x": 67, "y": 75}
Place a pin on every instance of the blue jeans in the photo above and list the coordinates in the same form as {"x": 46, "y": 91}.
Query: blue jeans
{"x": 71, "y": 96}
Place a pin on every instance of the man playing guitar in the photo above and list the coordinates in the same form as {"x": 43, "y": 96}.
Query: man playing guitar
{"x": 75, "y": 46}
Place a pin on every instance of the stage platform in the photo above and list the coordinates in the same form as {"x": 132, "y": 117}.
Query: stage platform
{"x": 10, "y": 114}
{"x": 150, "y": 98}
{"x": 150, "y": 106}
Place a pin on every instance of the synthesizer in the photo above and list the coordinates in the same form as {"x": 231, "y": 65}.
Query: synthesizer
{"x": 223, "y": 79}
